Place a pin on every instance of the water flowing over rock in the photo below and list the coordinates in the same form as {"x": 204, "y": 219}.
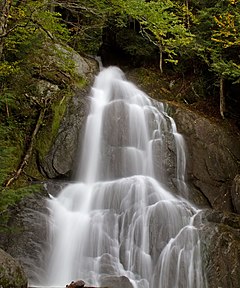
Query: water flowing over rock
{"x": 120, "y": 224}
{"x": 124, "y": 260}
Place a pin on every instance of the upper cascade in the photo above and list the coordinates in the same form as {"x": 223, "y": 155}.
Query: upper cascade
{"x": 126, "y": 215}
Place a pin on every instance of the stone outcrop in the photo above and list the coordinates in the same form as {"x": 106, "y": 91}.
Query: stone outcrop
{"x": 214, "y": 181}
{"x": 76, "y": 284}
{"x": 25, "y": 239}
{"x": 235, "y": 193}
{"x": 60, "y": 160}
{"x": 11, "y": 272}
{"x": 213, "y": 160}
{"x": 220, "y": 241}
{"x": 115, "y": 282}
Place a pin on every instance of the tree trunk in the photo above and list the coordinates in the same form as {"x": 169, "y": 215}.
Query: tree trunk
{"x": 52, "y": 6}
{"x": 222, "y": 98}
{"x": 29, "y": 150}
{"x": 160, "y": 58}
{"x": 5, "y": 6}
{"x": 188, "y": 18}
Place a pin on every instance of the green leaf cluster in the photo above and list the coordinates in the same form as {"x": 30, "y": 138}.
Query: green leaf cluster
{"x": 160, "y": 23}
{"x": 218, "y": 37}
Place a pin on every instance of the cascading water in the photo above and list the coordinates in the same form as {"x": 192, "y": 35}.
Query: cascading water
{"x": 120, "y": 219}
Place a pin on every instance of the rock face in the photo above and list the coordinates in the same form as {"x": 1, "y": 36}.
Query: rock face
{"x": 60, "y": 160}
{"x": 115, "y": 282}
{"x": 76, "y": 284}
{"x": 11, "y": 273}
{"x": 27, "y": 233}
{"x": 214, "y": 180}
{"x": 220, "y": 240}
{"x": 235, "y": 193}
{"x": 213, "y": 160}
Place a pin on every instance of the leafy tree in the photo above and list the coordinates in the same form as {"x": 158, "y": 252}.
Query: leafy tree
{"x": 26, "y": 56}
{"x": 5, "y": 6}
{"x": 161, "y": 23}
{"x": 218, "y": 41}
{"x": 86, "y": 20}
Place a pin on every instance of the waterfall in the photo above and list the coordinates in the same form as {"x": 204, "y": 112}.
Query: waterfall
{"x": 126, "y": 216}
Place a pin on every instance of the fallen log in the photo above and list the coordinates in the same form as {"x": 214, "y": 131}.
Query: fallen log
{"x": 29, "y": 150}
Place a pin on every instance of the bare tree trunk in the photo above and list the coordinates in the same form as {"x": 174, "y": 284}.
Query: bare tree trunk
{"x": 188, "y": 18}
{"x": 5, "y": 6}
{"x": 52, "y": 6}
{"x": 29, "y": 150}
{"x": 222, "y": 98}
{"x": 160, "y": 58}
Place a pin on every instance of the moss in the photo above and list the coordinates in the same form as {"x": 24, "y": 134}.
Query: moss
{"x": 58, "y": 110}
{"x": 12, "y": 276}
{"x": 11, "y": 146}
{"x": 51, "y": 124}
{"x": 10, "y": 197}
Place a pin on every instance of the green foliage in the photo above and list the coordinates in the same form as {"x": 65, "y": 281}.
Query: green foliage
{"x": 134, "y": 44}
{"x": 10, "y": 197}
{"x": 58, "y": 113}
{"x": 8, "y": 69}
{"x": 29, "y": 26}
{"x": 160, "y": 23}
{"x": 229, "y": 70}
{"x": 27, "y": 56}
{"x": 10, "y": 148}
{"x": 88, "y": 19}
{"x": 218, "y": 38}
{"x": 51, "y": 125}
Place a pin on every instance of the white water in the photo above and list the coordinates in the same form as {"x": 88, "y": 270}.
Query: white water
{"x": 120, "y": 218}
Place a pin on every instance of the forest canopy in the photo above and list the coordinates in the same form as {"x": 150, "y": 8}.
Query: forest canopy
{"x": 200, "y": 37}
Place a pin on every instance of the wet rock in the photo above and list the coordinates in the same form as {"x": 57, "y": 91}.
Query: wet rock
{"x": 25, "y": 239}
{"x": 220, "y": 242}
{"x": 213, "y": 159}
{"x": 61, "y": 158}
{"x": 11, "y": 272}
{"x": 235, "y": 193}
{"x": 76, "y": 284}
{"x": 115, "y": 282}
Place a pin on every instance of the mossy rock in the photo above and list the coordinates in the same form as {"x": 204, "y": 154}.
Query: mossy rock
{"x": 11, "y": 272}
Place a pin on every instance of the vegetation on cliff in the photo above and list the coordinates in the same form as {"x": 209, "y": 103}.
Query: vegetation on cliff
{"x": 179, "y": 40}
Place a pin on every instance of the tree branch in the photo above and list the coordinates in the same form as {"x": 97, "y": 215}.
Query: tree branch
{"x": 29, "y": 150}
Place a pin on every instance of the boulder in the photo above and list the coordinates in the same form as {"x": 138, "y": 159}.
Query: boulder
{"x": 115, "y": 281}
{"x": 11, "y": 272}
{"x": 76, "y": 284}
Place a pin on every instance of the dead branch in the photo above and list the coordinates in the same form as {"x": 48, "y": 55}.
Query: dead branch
{"x": 29, "y": 150}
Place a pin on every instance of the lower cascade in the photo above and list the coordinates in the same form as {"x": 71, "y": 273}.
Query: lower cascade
{"x": 126, "y": 221}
